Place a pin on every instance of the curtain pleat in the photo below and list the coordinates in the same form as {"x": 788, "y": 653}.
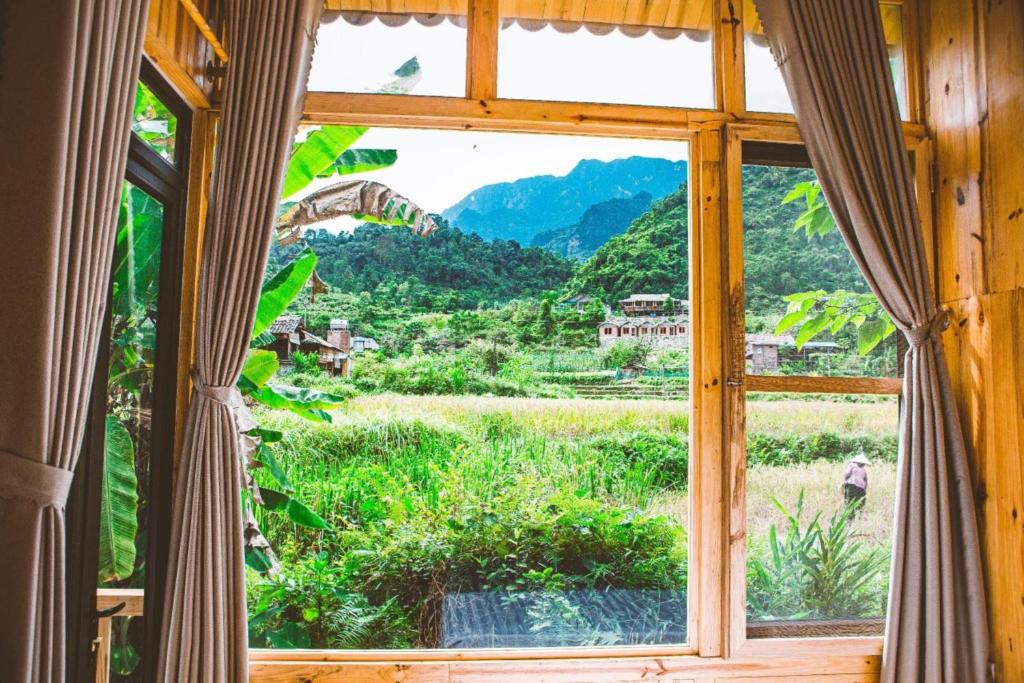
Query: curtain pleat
{"x": 67, "y": 83}
{"x": 835, "y": 64}
{"x": 270, "y": 42}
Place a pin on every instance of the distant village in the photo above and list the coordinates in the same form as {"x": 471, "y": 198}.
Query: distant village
{"x": 659, "y": 320}
{"x": 664, "y": 321}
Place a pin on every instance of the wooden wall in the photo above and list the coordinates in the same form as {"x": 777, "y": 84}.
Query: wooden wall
{"x": 974, "y": 60}
{"x": 177, "y": 47}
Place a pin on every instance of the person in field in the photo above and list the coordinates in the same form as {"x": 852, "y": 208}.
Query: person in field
{"x": 855, "y": 483}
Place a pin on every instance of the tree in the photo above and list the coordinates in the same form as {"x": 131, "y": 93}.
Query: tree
{"x": 816, "y": 311}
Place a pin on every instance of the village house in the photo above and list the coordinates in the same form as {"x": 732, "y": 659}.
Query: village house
{"x": 764, "y": 356}
{"x": 653, "y": 304}
{"x": 290, "y": 335}
{"x": 670, "y": 332}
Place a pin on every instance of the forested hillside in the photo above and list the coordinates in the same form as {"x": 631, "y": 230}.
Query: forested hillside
{"x": 650, "y": 257}
{"x": 779, "y": 260}
{"x": 446, "y": 262}
{"x": 454, "y": 270}
{"x": 598, "y": 224}
{"x": 521, "y": 209}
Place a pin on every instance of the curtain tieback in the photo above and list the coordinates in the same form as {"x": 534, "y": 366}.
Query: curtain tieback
{"x": 214, "y": 393}
{"x": 25, "y": 479}
{"x": 919, "y": 334}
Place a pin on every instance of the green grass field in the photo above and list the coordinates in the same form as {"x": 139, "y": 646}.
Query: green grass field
{"x": 433, "y": 495}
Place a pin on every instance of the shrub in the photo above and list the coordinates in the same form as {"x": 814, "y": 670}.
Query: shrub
{"x": 307, "y": 363}
{"x": 814, "y": 572}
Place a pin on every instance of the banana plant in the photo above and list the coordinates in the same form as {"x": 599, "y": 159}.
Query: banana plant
{"x": 326, "y": 152}
{"x": 812, "y": 313}
{"x": 134, "y": 288}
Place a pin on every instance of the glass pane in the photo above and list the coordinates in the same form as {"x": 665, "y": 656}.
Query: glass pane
{"x": 128, "y": 443}
{"x": 766, "y": 91}
{"x": 154, "y": 123}
{"x": 508, "y": 462}
{"x": 808, "y": 308}
{"x": 821, "y": 481}
{"x": 380, "y": 52}
{"x": 630, "y": 52}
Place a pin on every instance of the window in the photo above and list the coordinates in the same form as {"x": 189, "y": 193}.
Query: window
{"x": 629, "y": 52}
{"x": 820, "y": 464}
{"x": 766, "y": 91}
{"x": 499, "y": 474}
{"x": 132, "y": 421}
{"x": 362, "y": 51}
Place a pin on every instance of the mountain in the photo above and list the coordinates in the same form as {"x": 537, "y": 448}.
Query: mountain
{"x": 445, "y": 262}
{"x": 521, "y": 209}
{"x": 598, "y": 224}
{"x": 648, "y": 258}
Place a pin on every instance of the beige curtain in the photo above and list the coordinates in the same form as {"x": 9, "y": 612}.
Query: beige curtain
{"x": 833, "y": 57}
{"x": 205, "y": 635}
{"x": 67, "y": 83}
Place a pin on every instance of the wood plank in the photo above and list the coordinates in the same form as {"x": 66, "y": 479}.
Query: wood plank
{"x": 482, "y": 50}
{"x": 133, "y": 599}
{"x": 180, "y": 51}
{"x": 824, "y": 385}
{"x": 735, "y": 397}
{"x": 707, "y": 273}
{"x": 200, "y": 169}
{"x": 665, "y": 670}
{"x": 573, "y": 118}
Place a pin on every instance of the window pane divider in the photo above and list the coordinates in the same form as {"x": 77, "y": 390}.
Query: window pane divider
{"x": 891, "y": 386}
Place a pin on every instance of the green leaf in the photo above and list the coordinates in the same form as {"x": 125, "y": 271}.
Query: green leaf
{"x": 301, "y": 401}
{"x": 259, "y": 367}
{"x": 274, "y": 500}
{"x": 282, "y": 289}
{"x": 258, "y": 559}
{"x": 124, "y": 658}
{"x": 261, "y": 340}
{"x": 789, "y": 320}
{"x": 268, "y": 435}
{"x": 266, "y": 456}
{"x": 810, "y": 328}
{"x": 137, "y": 253}
{"x": 118, "y": 504}
{"x": 303, "y": 516}
{"x": 289, "y": 636}
{"x": 316, "y": 154}
{"x": 360, "y": 161}
{"x": 870, "y": 334}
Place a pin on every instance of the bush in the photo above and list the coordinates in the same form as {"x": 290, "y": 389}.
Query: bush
{"x": 307, "y": 363}
{"x": 763, "y": 449}
{"x": 815, "y": 572}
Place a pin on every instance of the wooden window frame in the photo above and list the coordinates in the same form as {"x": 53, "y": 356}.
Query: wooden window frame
{"x": 718, "y": 647}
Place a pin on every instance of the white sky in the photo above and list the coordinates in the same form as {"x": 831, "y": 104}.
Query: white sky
{"x": 436, "y": 169}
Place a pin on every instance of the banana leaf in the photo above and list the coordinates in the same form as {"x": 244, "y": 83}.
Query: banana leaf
{"x": 365, "y": 199}
{"x": 119, "y": 504}
{"x": 317, "y": 153}
{"x": 260, "y": 366}
{"x": 360, "y": 161}
{"x": 282, "y": 289}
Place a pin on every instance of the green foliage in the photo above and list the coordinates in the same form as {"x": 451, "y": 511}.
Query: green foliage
{"x": 317, "y": 156}
{"x": 429, "y": 270}
{"x": 819, "y": 311}
{"x": 651, "y": 256}
{"x": 816, "y": 219}
{"x": 153, "y": 122}
{"x": 118, "y": 504}
{"x": 623, "y": 353}
{"x": 308, "y": 363}
{"x": 307, "y": 605}
{"x": 814, "y": 572}
{"x": 282, "y": 289}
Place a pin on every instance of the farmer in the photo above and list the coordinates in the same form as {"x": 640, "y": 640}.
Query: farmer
{"x": 855, "y": 483}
